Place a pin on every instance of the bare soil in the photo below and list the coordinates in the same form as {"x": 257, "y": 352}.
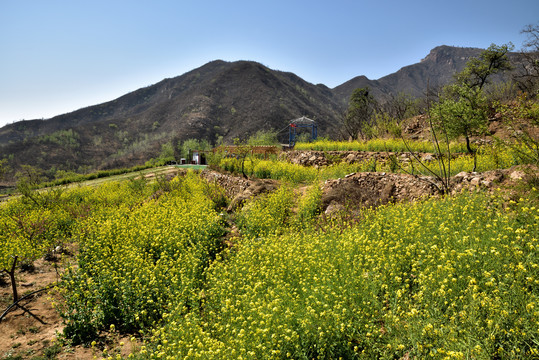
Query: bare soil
{"x": 34, "y": 333}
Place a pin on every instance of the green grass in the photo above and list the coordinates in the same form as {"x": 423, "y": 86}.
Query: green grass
{"x": 194, "y": 167}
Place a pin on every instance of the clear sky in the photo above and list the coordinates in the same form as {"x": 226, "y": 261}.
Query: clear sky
{"x": 58, "y": 56}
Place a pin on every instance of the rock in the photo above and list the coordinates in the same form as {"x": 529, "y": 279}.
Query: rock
{"x": 334, "y": 208}
{"x": 494, "y": 176}
{"x": 486, "y": 183}
{"x": 387, "y": 193}
{"x": 475, "y": 181}
{"x": 517, "y": 175}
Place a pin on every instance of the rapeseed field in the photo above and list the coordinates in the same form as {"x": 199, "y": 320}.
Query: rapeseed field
{"x": 444, "y": 278}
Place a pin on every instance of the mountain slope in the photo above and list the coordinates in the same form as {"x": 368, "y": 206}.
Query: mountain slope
{"x": 436, "y": 69}
{"x": 219, "y": 100}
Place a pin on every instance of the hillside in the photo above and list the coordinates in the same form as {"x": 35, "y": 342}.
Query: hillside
{"x": 220, "y": 100}
{"x": 434, "y": 71}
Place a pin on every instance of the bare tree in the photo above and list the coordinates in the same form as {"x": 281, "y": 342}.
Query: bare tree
{"x": 527, "y": 78}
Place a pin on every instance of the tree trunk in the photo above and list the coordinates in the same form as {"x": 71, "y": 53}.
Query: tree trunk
{"x": 468, "y": 147}
{"x": 11, "y": 274}
{"x": 470, "y": 151}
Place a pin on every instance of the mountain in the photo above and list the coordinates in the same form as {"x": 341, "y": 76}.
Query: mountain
{"x": 434, "y": 71}
{"x": 220, "y": 99}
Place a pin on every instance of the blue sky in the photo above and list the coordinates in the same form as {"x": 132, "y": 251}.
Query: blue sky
{"x": 57, "y": 56}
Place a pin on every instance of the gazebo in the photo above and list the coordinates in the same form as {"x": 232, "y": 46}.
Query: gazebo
{"x": 302, "y": 122}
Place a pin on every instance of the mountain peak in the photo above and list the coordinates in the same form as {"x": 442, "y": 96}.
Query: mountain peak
{"x": 444, "y": 53}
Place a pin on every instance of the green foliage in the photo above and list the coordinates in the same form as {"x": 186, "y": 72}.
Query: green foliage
{"x": 462, "y": 108}
{"x": 29, "y": 178}
{"x": 267, "y": 214}
{"x": 136, "y": 262}
{"x": 65, "y": 138}
{"x": 308, "y": 207}
{"x": 380, "y": 145}
{"x": 67, "y": 177}
{"x": 4, "y": 168}
{"x": 485, "y": 158}
{"x": 167, "y": 152}
{"x": 445, "y": 277}
{"x": 31, "y": 229}
{"x": 29, "y": 233}
{"x": 138, "y": 183}
{"x": 478, "y": 70}
{"x": 359, "y": 117}
{"x": 190, "y": 145}
{"x": 303, "y": 137}
{"x": 122, "y": 135}
{"x": 461, "y": 113}
{"x": 263, "y": 137}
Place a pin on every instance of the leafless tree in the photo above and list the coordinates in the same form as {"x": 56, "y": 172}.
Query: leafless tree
{"x": 527, "y": 78}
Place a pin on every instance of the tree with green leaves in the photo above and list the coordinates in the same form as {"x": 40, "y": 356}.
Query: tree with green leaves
{"x": 359, "y": 117}
{"x": 4, "y": 168}
{"x": 28, "y": 179}
{"x": 263, "y": 137}
{"x": 478, "y": 70}
{"x": 193, "y": 144}
{"x": 167, "y": 152}
{"x": 462, "y": 110}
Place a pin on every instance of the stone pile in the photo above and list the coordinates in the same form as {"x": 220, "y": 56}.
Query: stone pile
{"x": 488, "y": 179}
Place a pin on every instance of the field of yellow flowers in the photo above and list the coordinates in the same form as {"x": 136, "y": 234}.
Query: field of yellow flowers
{"x": 488, "y": 157}
{"x": 444, "y": 278}
{"x": 449, "y": 278}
